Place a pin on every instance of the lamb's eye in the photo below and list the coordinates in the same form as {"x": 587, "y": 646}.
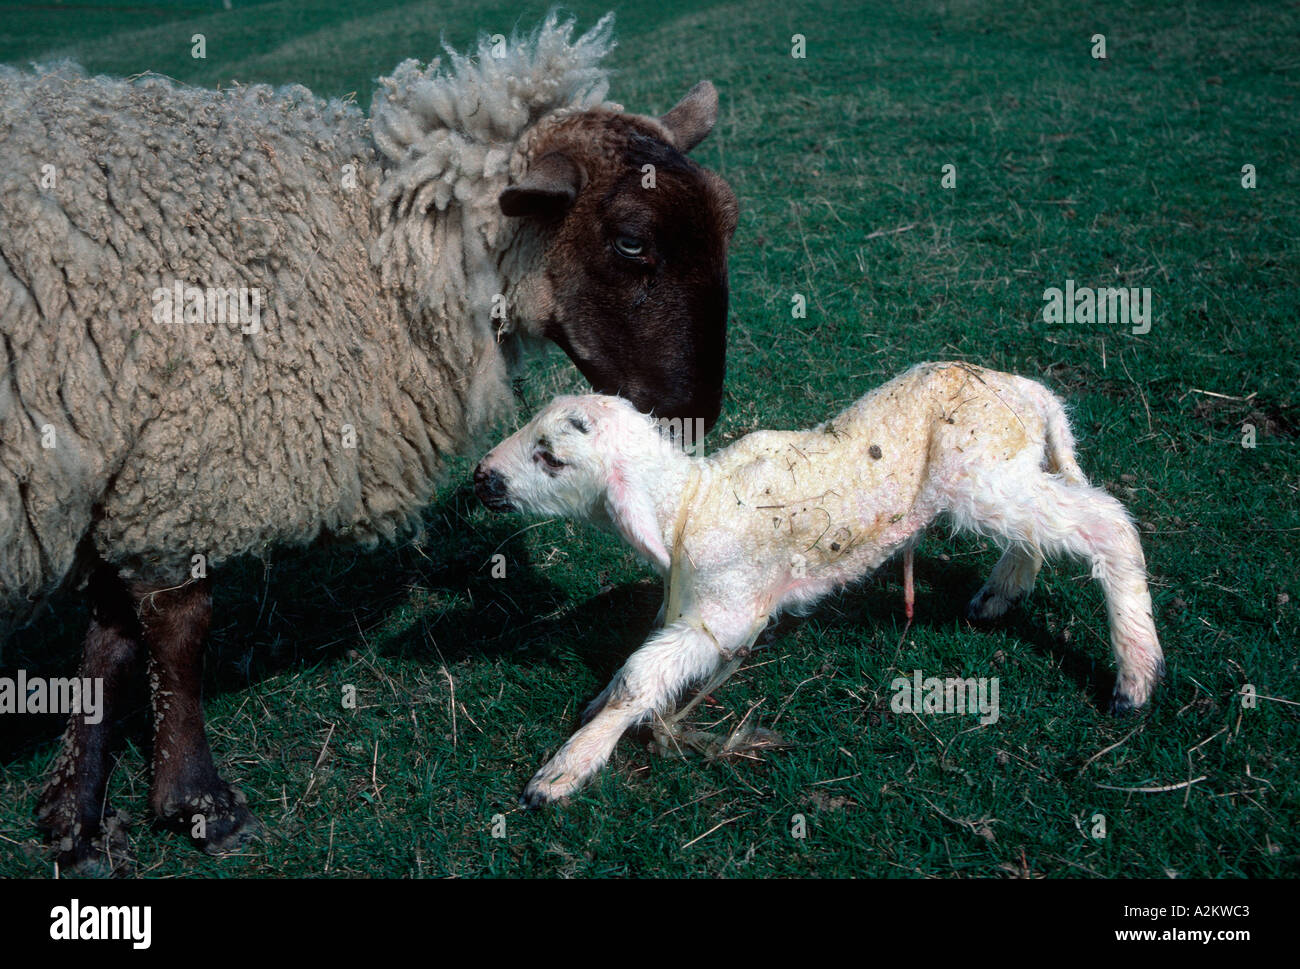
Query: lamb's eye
{"x": 629, "y": 247}
{"x": 548, "y": 459}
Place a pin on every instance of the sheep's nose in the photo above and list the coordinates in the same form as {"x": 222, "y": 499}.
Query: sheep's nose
{"x": 491, "y": 489}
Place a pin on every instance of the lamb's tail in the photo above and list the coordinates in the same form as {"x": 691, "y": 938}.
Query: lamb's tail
{"x": 1060, "y": 457}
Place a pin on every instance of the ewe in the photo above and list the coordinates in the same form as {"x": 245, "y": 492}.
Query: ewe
{"x": 393, "y": 270}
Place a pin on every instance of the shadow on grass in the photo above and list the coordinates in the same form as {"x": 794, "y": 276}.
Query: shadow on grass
{"x": 432, "y": 599}
{"x": 877, "y": 604}
{"x": 435, "y": 600}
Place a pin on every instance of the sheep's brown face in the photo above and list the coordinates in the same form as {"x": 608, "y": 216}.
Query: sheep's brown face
{"x": 636, "y": 258}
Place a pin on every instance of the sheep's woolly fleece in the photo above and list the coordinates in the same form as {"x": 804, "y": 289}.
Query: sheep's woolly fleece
{"x": 363, "y": 242}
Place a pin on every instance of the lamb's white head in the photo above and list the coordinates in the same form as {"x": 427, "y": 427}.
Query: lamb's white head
{"x": 581, "y": 458}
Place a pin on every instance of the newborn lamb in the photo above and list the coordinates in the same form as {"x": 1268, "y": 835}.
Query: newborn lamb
{"x": 780, "y": 518}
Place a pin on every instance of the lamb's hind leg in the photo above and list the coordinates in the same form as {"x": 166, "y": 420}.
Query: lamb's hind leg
{"x": 1059, "y": 517}
{"x": 73, "y": 808}
{"x": 1011, "y": 580}
{"x": 186, "y": 791}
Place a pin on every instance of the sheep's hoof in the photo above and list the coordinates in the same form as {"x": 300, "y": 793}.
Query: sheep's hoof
{"x": 237, "y": 831}
{"x": 542, "y": 792}
{"x": 217, "y": 821}
{"x": 1131, "y": 694}
{"x": 538, "y": 795}
{"x": 89, "y": 839}
{"x": 1121, "y": 705}
{"x": 989, "y": 606}
{"x": 534, "y": 799}
{"x": 556, "y": 781}
{"x": 102, "y": 852}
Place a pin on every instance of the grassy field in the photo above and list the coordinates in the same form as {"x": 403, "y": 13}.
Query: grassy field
{"x": 1117, "y": 172}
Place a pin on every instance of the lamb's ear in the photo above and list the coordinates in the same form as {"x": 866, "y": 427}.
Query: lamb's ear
{"x": 633, "y": 516}
{"x": 693, "y": 117}
{"x": 548, "y": 187}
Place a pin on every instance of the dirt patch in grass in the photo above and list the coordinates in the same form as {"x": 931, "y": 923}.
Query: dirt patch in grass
{"x": 1271, "y": 418}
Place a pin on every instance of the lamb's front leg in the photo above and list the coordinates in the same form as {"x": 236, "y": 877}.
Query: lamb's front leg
{"x": 655, "y": 675}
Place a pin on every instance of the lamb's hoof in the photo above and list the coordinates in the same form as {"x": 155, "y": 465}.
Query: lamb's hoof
{"x": 1122, "y": 705}
{"x": 217, "y": 821}
{"x": 555, "y": 782}
{"x": 989, "y": 606}
{"x": 541, "y": 793}
{"x": 538, "y": 795}
{"x": 1131, "y": 694}
{"x": 534, "y": 799}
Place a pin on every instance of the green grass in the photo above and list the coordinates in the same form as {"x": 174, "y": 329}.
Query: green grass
{"x": 1123, "y": 172}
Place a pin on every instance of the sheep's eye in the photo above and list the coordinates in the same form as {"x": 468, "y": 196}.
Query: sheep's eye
{"x": 629, "y": 247}
{"x": 548, "y": 459}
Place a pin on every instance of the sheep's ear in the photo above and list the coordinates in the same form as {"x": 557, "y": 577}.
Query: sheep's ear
{"x": 693, "y": 117}
{"x": 634, "y": 517}
{"x": 549, "y": 186}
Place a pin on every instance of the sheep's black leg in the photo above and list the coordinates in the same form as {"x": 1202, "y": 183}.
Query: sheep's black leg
{"x": 187, "y": 792}
{"x": 73, "y": 808}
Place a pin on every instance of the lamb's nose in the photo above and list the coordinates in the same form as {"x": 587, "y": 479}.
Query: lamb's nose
{"x": 491, "y": 489}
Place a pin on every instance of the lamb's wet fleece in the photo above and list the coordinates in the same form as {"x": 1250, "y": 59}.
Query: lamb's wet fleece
{"x": 780, "y": 519}
{"x": 849, "y": 491}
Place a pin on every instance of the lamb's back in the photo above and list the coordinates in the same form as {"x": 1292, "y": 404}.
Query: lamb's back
{"x": 839, "y": 498}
